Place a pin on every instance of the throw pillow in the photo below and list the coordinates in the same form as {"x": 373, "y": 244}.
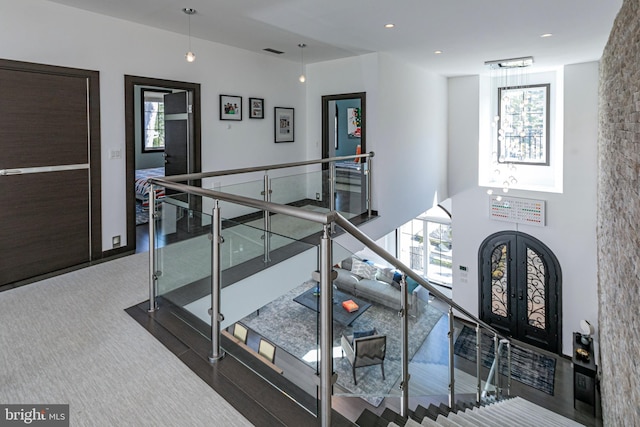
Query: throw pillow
{"x": 347, "y": 263}
{"x": 386, "y": 275}
{"x": 362, "y": 334}
{"x": 411, "y": 285}
{"x": 363, "y": 270}
{"x": 397, "y": 276}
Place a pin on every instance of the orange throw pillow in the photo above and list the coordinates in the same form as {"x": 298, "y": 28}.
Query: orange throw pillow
{"x": 350, "y": 306}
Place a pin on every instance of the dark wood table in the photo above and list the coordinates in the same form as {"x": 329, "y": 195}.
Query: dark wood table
{"x": 310, "y": 300}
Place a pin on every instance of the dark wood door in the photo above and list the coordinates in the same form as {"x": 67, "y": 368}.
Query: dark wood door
{"x": 179, "y": 151}
{"x": 178, "y": 130}
{"x": 520, "y": 289}
{"x": 45, "y": 172}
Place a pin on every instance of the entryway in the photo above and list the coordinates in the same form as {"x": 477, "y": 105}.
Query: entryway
{"x": 520, "y": 289}
{"x": 171, "y": 147}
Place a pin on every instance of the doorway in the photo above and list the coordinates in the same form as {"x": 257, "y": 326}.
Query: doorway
{"x": 172, "y": 145}
{"x": 520, "y": 289}
{"x": 49, "y": 170}
{"x": 344, "y": 133}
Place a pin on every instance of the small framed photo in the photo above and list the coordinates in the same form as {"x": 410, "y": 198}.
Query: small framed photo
{"x": 230, "y": 107}
{"x": 284, "y": 124}
{"x": 256, "y": 108}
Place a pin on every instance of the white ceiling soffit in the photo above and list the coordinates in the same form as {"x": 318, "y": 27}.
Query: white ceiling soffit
{"x": 468, "y": 32}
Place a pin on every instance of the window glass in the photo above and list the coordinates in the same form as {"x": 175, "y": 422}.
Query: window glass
{"x": 523, "y": 130}
{"x": 425, "y": 245}
{"x": 153, "y": 120}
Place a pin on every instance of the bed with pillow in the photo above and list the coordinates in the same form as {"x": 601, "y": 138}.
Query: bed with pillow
{"x": 142, "y": 184}
{"x": 376, "y": 284}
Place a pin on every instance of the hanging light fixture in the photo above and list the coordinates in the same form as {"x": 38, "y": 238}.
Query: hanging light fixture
{"x": 504, "y": 73}
{"x": 190, "y": 56}
{"x": 302, "y": 77}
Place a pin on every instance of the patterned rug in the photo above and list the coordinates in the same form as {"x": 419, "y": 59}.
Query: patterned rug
{"x": 294, "y": 328}
{"x": 528, "y": 367}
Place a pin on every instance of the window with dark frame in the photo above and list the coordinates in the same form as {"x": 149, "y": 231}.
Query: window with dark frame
{"x": 152, "y": 119}
{"x": 523, "y": 124}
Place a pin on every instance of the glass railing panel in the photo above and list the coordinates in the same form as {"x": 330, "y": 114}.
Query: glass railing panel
{"x": 278, "y": 307}
{"x": 465, "y": 372}
{"x": 351, "y": 187}
{"x": 428, "y": 345}
{"x": 302, "y": 190}
{"x": 182, "y": 246}
{"x": 378, "y": 304}
{"x": 252, "y": 189}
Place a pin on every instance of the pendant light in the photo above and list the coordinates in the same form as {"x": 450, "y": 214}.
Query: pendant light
{"x": 190, "y": 56}
{"x": 302, "y": 77}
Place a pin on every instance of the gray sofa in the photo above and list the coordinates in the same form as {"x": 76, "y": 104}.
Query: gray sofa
{"x": 381, "y": 291}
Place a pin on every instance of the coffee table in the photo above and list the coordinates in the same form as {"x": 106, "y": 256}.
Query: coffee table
{"x": 340, "y": 315}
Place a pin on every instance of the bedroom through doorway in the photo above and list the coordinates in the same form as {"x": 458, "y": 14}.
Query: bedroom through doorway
{"x": 163, "y": 139}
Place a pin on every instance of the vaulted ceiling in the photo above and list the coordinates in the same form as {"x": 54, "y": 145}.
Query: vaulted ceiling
{"x": 467, "y": 32}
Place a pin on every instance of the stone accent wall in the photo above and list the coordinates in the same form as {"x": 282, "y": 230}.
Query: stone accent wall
{"x": 618, "y": 234}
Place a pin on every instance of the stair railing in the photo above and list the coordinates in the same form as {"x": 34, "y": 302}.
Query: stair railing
{"x": 371, "y": 245}
{"x": 327, "y": 219}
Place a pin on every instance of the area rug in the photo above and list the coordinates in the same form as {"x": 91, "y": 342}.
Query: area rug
{"x": 527, "y": 366}
{"x": 294, "y": 328}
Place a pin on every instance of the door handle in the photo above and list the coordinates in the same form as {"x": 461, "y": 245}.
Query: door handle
{"x": 4, "y": 172}
{"x": 521, "y": 295}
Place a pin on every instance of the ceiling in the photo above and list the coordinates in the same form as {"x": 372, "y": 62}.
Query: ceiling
{"x": 468, "y": 32}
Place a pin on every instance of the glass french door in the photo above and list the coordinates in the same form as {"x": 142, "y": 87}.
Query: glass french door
{"x": 520, "y": 288}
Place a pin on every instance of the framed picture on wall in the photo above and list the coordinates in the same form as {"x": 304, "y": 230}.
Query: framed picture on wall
{"x": 256, "y": 108}
{"x": 354, "y": 123}
{"x": 284, "y": 124}
{"x": 230, "y": 107}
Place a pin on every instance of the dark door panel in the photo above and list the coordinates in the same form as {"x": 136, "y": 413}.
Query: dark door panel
{"x": 520, "y": 281}
{"x": 50, "y": 214}
{"x": 45, "y": 223}
{"x": 44, "y": 119}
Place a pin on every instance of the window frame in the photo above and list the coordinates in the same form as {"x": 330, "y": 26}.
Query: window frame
{"x": 421, "y": 234}
{"x": 547, "y": 125}
{"x": 143, "y": 130}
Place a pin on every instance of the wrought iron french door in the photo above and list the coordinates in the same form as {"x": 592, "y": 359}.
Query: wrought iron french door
{"x": 520, "y": 281}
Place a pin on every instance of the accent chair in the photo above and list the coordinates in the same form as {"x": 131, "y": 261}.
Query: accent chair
{"x": 365, "y": 350}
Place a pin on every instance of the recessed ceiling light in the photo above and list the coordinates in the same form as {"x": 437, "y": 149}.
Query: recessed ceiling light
{"x": 546, "y": 35}
{"x": 389, "y": 25}
{"x": 437, "y": 52}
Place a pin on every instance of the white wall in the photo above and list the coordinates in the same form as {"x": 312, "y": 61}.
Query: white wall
{"x": 48, "y": 33}
{"x": 570, "y": 215}
{"x": 406, "y": 128}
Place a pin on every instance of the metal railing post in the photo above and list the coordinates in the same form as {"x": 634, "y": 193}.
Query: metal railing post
{"x": 267, "y": 219}
{"x": 452, "y": 373}
{"x": 404, "y": 384}
{"x": 153, "y": 278}
{"x": 478, "y": 363}
{"x": 496, "y": 355}
{"x": 369, "y": 181}
{"x": 508, "y": 344}
{"x": 216, "y": 316}
{"x": 332, "y": 192}
{"x": 326, "y": 327}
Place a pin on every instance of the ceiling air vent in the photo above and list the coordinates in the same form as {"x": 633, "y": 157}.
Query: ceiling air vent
{"x": 277, "y": 52}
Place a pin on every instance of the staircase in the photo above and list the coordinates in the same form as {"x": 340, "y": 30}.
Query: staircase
{"x": 505, "y": 413}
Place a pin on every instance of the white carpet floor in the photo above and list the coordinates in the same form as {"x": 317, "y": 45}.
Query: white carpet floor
{"x": 68, "y": 340}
